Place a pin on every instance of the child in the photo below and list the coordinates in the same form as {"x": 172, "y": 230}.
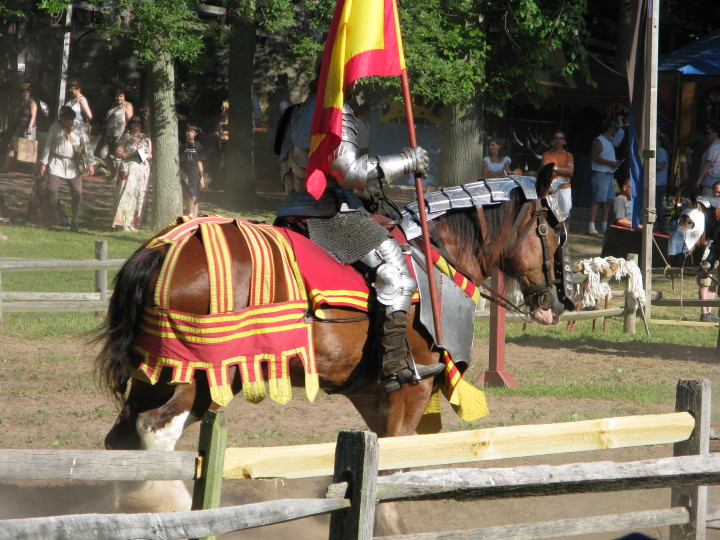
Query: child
{"x": 191, "y": 169}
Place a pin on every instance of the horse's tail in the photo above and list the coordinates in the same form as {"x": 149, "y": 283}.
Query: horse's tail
{"x": 112, "y": 365}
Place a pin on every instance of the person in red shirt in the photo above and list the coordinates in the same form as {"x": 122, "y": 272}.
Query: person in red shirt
{"x": 563, "y": 168}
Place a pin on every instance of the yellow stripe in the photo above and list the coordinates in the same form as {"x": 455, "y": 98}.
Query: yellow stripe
{"x": 167, "y": 271}
{"x": 292, "y": 317}
{"x": 237, "y": 335}
{"x": 261, "y": 259}
{"x": 237, "y": 316}
{"x": 293, "y": 277}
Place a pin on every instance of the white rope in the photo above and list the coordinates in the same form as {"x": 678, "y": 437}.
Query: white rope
{"x": 596, "y": 289}
{"x": 635, "y": 291}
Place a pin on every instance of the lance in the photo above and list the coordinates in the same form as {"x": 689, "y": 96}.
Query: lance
{"x": 427, "y": 249}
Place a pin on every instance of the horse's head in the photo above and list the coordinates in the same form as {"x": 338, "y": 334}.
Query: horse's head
{"x": 532, "y": 255}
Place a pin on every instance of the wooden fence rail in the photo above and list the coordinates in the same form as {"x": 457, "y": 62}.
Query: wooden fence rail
{"x": 56, "y": 301}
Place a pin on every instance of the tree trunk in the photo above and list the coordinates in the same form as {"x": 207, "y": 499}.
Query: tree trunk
{"x": 239, "y": 168}
{"x": 625, "y": 30}
{"x": 461, "y": 154}
{"x": 165, "y": 164}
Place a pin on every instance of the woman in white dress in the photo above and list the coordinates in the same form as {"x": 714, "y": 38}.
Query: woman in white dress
{"x": 496, "y": 164}
{"x": 135, "y": 150}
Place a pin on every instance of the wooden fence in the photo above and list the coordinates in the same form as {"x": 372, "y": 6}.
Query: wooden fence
{"x": 356, "y": 487}
{"x": 52, "y": 301}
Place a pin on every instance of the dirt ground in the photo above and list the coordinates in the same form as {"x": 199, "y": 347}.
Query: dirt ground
{"x": 48, "y": 400}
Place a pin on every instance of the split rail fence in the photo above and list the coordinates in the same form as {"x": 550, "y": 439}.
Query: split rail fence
{"x": 356, "y": 488}
{"x": 59, "y": 301}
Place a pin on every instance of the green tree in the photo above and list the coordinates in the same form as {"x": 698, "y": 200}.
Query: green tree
{"x": 162, "y": 31}
{"x": 246, "y": 17}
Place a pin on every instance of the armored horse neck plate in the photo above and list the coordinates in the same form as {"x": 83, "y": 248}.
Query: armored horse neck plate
{"x": 487, "y": 192}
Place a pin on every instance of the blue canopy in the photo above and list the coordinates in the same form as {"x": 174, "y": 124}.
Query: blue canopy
{"x": 701, "y": 57}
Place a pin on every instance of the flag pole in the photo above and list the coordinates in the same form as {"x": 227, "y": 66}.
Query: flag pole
{"x": 423, "y": 214}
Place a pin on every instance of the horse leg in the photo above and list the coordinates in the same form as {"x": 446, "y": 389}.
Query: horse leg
{"x": 158, "y": 428}
{"x": 391, "y": 415}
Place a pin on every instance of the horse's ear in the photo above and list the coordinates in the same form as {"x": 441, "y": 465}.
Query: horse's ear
{"x": 544, "y": 179}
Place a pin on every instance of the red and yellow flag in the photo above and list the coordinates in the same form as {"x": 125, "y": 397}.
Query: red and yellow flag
{"x": 364, "y": 41}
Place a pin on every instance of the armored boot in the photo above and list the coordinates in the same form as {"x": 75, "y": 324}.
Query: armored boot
{"x": 393, "y": 350}
{"x": 395, "y": 287}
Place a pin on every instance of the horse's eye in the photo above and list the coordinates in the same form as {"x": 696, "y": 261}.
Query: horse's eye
{"x": 559, "y": 229}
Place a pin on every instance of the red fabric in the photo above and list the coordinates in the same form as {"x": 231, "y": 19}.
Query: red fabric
{"x": 321, "y": 272}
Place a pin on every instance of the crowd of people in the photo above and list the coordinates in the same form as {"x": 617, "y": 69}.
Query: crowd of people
{"x": 122, "y": 155}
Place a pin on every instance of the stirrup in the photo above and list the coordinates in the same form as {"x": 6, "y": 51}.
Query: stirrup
{"x": 406, "y": 375}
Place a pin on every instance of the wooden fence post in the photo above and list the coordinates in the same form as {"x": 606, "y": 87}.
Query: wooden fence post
{"x": 211, "y": 447}
{"x": 629, "y": 318}
{"x": 692, "y": 396}
{"x": 356, "y": 462}
{"x": 101, "y": 275}
{"x": 1, "y": 302}
{"x": 496, "y": 376}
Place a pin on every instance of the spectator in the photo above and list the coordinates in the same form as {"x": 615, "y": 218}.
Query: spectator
{"x": 292, "y": 142}
{"x": 66, "y": 155}
{"x": 496, "y": 164}
{"x": 116, "y": 121}
{"x": 710, "y": 162}
{"x": 621, "y": 209}
{"x": 25, "y": 122}
{"x": 604, "y": 165}
{"x": 79, "y": 104}
{"x": 564, "y": 167}
{"x": 135, "y": 150}
{"x": 661, "y": 185}
{"x": 192, "y": 174}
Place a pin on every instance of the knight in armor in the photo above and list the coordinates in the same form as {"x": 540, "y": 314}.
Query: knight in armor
{"x": 339, "y": 223}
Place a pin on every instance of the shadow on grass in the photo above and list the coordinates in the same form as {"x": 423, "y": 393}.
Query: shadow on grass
{"x": 632, "y": 349}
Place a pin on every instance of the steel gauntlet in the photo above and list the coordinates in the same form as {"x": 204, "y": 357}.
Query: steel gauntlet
{"x": 409, "y": 160}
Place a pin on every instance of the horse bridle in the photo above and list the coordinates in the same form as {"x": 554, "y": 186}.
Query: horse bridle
{"x": 541, "y": 292}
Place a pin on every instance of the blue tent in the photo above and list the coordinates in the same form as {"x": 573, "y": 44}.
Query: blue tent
{"x": 701, "y": 57}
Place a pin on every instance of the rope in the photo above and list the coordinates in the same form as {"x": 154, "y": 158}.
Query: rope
{"x": 596, "y": 289}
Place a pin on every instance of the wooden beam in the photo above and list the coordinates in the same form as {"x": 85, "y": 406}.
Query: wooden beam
{"x": 356, "y": 461}
{"x": 542, "y": 480}
{"x": 167, "y": 526}
{"x": 466, "y": 446}
{"x": 693, "y": 396}
{"x": 207, "y": 490}
{"x": 644, "y": 519}
{"x": 97, "y": 464}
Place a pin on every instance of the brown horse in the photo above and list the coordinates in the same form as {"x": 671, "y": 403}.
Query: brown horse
{"x": 518, "y": 236}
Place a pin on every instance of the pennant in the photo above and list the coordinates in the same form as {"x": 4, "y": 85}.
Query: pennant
{"x": 364, "y": 41}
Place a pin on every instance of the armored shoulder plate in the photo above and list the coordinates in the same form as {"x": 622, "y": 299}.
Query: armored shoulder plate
{"x": 487, "y": 192}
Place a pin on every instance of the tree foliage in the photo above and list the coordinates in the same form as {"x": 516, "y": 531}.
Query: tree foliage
{"x": 168, "y": 25}
{"x": 456, "y": 50}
